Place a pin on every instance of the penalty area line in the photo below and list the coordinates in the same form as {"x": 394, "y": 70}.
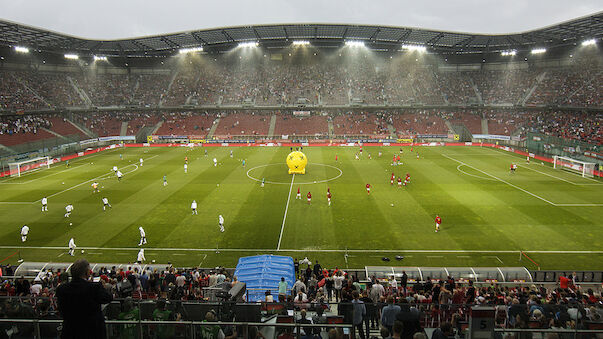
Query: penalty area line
{"x": 280, "y": 237}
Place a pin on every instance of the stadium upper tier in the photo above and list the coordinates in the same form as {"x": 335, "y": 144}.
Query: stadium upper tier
{"x": 357, "y": 81}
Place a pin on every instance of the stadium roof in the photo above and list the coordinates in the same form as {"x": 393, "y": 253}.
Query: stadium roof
{"x": 321, "y": 35}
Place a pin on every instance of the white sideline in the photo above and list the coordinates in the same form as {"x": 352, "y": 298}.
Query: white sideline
{"x": 305, "y": 251}
{"x": 503, "y": 181}
{"x": 280, "y": 237}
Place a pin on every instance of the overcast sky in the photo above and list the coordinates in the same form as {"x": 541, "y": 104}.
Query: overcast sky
{"x": 110, "y": 19}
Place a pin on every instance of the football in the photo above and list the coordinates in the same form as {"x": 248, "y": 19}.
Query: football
{"x": 70, "y": 224}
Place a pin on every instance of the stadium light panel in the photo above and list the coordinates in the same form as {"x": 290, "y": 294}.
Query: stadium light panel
{"x": 71, "y": 56}
{"x": 190, "y": 50}
{"x": 100, "y": 58}
{"x": 417, "y": 48}
{"x": 301, "y": 43}
{"x": 249, "y": 44}
{"x": 538, "y": 50}
{"x": 355, "y": 43}
{"x": 589, "y": 42}
{"x": 508, "y": 53}
{"x": 21, "y": 49}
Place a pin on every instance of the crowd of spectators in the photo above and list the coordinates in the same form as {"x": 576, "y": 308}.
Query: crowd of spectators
{"x": 359, "y": 80}
{"x": 396, "y": 304}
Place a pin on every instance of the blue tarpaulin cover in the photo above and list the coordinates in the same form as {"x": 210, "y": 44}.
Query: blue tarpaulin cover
{"x": 264, "y": 272}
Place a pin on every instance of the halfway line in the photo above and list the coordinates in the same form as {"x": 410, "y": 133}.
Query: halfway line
{"x": 280, "y": 237}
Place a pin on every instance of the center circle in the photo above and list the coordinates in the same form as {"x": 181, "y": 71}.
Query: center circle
{"x": 272, "y": 172}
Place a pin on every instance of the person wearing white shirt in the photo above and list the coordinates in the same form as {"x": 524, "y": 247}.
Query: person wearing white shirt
{"x": 143, "y": 236}
{"x": 221, "y": 222}
{"x": 106, "y": 203}
{"x": 306, "y": 261}
{"x": 185, "y": 168}
{"x": 394, "y": 283}
{"x": 68, "y": 210}
{"x": 36, "y": 288}
{"x": 72, "y": 246}
{"x": 141, "y": 257}
{"x": 119, "y": 175}
{"x": 194, "y": 206}
{"x": 44, "y": 204}
{"x": 141, "y": 161}
{"x": 215, "y": 162}
{"x": 338, "y": 284}
{"x": 24, "y": 232}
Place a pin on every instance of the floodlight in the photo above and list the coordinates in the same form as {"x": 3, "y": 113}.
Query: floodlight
{"x": 589, "y": 42}
{"x": 71, "y": 56}
{"x": 417, "y": 48}
{"x": 354, "y": 43}
{"x": 538, "y": 50}
{"x": 301, "y": 43}
{"x": 21, "y": 49}
{"x": 190, "y": 50}
{"x": 100, "y": 58}
{"x": 508, "y": 53}
{"x": 249, "y": 44}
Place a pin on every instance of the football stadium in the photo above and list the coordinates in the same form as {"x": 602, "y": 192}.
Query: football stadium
{"x": 302, "y": 181}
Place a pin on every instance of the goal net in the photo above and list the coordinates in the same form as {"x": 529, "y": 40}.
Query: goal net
{"x": 585, "y": 169}
{"x": 18, "y": 168}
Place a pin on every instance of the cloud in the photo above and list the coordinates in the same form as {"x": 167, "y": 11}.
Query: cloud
{"x": 112, "y": 19}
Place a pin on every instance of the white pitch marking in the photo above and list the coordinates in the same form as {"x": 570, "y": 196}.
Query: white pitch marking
{"x": 472, "y": 175}
{"x": 299, "y": 183}
{"x": 503, "y": 181}
{"x": 307, "y": 251}
{"x": 280, "y": 237}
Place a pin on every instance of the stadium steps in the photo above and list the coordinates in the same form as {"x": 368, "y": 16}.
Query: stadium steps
{"x": 392, "y": 131}
{"x": 449, "y": 126}
{"x": 124, "y": 128}
{"x": 56, "y": 134}
{"x": 83, "y": 95}
{"x": 157, "y": 127}
{"x": 213, "y": 128}
{"x": 539, "y": 79}
{"x": 6, "y": 150}
{"x": 272, "y": 126}
{"x": 477, "y": 93}
{"x": 485, "y": 126}
{"x": 173, "y": 78}
{"x": 23, "y": 83}
{"x": 331, "y": 129}
{"x": 82, "y": 129}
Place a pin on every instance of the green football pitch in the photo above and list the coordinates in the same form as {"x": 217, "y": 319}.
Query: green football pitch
{"x": 488, "y": 214}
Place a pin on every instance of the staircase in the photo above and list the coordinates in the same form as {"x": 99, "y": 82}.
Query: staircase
{"x": 463, "y": 132}
{"x": 32, "y": 91}
{"x": 213, "y": 128}
{"x": 485, "y": 126}
{"x": 272, "y": 126}
{"x": 331, "y": 129}
{"x": 539, "y": 79}
{"x": 85, "y": 98}
{"x": 392, "y": 131}
{"x": 82, "y": 129}
{"x": 7, "y": 149}
{"x": 56, "y": 134}
{"x": 124, "y": 128}
{"x": 174, "y": 75}
{"x": 157, "y": 127}
{"x": 478, "y": 95}
{"x": 449, "y": 126}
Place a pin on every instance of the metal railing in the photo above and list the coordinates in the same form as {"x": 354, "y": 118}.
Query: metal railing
{"x": 36, "y": 328}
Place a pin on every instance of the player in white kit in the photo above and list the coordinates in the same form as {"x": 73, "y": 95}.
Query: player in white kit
{"x": 140, "y": 258}
{"x": 143, "y": 236}
{"x": 72, "y": 246}
{"x": 215, "y": 162}
{"x": 221, "y": 222}
{"x": 68, "y": 210}
{"x": 194, "y": 206}
{"x": 44, "y": 204}
{"x": 24, "y": 232}
{"x": 106, "y": 203}
{"x": 185, "y": 168}
{"x": 141, "y": 161}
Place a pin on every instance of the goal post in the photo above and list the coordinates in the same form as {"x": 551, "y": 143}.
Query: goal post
{"x": 585, "y": 169}
{"x": 16, "y": 169}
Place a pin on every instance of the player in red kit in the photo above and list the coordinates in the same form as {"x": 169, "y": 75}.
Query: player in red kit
{"x": 438, "y": 221}
{"x": 309, "y": 197}
{"x": 329, "y": 198}
{"x": 186, "y": 160}
{"x": 298, "y": 196}
{"x": 407, "y": 178}
{"x": 335, "y": 157}
{"x": 398, "y": 160}
{"x": 368, "y": 189}
{"x": 399, "y": 182}
{"x": 391, "y": 180}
